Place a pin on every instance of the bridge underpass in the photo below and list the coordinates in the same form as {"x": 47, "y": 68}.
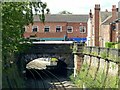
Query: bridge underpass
{"x": 37, "y": 61}
{"x": 48, "y": 52}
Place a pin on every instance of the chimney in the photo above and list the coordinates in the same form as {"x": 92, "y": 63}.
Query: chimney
{"x": 114, "y": 12}
{"x": 112, "y": 26}
{"x": 96, "y": 23}
{"x": 90, "y": 14}
{"x": 106, "y": 10}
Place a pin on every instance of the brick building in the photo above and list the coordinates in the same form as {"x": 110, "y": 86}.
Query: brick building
{"x": 100, "y": 29}
{"x": 58, "y": 27}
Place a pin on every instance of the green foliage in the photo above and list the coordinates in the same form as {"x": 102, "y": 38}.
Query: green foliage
{"x": 112, "y": 82}
{"x": 86, "y": 51}
{"x": 88, "y": 79}
{"x": 103, "y": 55}
{"x": 76, "y": 80}
{"x": 15, "y": 15}
{"x": 75, "y": 48}
{"x": 113, "y": 66}
{"x": 80, "y": 78}
{"x": 54, "y": 59}
{"x": 114, "y": 58}
{"x": 85, "y": 79}
{"x": 10, "y": 80}
{"x": 112, "y": 45}
{"x": 109, "y": 44}
{"x": 94, "y": 53}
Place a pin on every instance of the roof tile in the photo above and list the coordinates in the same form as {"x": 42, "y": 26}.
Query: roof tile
{"x": 63, "y": 18}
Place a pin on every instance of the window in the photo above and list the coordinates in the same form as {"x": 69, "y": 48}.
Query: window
{"x": 34, "y": 28}
{"x": 69, "y": 29}
{"x": 82, "y": 29}
{"x": 46, "y": 29}
{"x": 58, "y": 28}
{"x": 24, "y": 29}
{"x": 113, "y": 26}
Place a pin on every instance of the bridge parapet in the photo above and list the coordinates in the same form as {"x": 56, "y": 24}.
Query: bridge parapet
{"x": 50, "y": 48}
{"x": 97, "y": 62}
{"x": 101, "y": 52}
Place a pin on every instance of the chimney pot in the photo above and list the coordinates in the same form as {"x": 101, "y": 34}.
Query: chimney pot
{"x": 97, "y": 6}
{"x": 113, "y": 6}
{"x": 106, "y": 10}
{"x": 90, "y": 14}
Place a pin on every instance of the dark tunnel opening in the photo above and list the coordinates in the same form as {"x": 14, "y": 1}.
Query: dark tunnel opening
{"x": 59, "y": 70}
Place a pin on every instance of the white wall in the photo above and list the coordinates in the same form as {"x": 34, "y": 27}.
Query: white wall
{"x": 89, "y": 32}
{"x": 119, "y": 9}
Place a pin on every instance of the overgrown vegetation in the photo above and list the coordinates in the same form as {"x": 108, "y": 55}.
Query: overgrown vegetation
{"x": 15, "y": 15}
{"x": 112, "y": 45}
{"x": 101, "y": 75}
{"x": 103, "y": 55}
{"x": 86, "y": 78}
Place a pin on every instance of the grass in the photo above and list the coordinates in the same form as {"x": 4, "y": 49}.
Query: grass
{"x": 12, "y": 78}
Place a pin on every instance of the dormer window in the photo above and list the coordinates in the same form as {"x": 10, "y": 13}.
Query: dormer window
{"x": 34, "y": 28}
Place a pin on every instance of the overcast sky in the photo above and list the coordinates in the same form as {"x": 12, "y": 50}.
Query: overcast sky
{"x": 78, "y": 6}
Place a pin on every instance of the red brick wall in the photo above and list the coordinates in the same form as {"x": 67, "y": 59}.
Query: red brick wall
{"x": 113, "y": 35}
{"x": 118, "y": 34}
{"x": 53, "y": 33}
{"x": 96, "y": 23}
{"x": 114, "y": 17}
{"x": 76, "y": 31}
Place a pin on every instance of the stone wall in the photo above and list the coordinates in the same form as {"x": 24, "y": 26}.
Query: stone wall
{"x": 99, "y": 68}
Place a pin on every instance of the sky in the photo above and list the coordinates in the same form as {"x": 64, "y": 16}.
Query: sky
{"x": 79, "y": 6}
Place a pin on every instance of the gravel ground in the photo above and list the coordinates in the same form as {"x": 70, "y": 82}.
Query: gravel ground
{"x": 38, "y": 83}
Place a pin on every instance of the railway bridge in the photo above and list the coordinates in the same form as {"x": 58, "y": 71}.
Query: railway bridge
{"x": 52, "y": 50}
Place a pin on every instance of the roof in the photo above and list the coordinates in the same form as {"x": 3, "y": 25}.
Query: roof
{"x": 105, "y": 15}
{"x": 116, "y": 21}
{"x": 63, "y": 18}
{"x": 108, "y": 18}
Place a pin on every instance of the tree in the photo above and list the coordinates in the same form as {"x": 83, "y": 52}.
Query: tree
{"x": 15, "y": 15}
{"x": 48, "y": 10}
{"x": 64, "y": 12}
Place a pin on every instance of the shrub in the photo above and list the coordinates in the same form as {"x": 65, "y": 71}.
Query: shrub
{"x": 110, "y": 44}
{"x": 54, "y": 59}
{"x": 103, "y": 55}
